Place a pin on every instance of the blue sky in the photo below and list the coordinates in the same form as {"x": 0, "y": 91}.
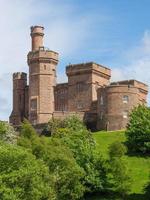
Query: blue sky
{"x": 115, "y": 33}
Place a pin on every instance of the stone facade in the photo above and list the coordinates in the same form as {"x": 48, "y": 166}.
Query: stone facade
{"x": 88, "y": 92}
{"x": 116, "y": 101}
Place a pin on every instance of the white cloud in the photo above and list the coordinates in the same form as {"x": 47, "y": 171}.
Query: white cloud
{"x": 138, "y": 59}
{"x": 66, "y": 31}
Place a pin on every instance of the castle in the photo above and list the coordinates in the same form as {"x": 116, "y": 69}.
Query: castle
{"x": 88, "y": 92}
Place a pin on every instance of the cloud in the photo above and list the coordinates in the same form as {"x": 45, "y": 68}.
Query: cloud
{"x": 138, "y": 59}
{"x": 67, "y": 30}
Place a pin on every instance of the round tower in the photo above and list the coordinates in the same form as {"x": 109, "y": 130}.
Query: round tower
{"x": 37, "y": 34}
{"x": 19, "y": 85}
{"x": 115, "y": 102}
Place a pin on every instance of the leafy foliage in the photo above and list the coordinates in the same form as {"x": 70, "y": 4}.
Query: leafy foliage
{"x": 80, "y": 141}
{"x": 22, "y": 177}
{"x": 119, "y": 172}
{"x": 117, "y": 149}
{"x": 147, "y": 190}
{"x": 7, "y": 133}
{"x": 138, "y": 130}
{"x": 66, "y": 172}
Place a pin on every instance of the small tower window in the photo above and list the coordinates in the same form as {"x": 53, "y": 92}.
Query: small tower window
{"x": 125, "y": 99}
{"x": 44, "y": 67}
{"x": 33, "y": 104}
{"x": 101, "y": 101}
{"x": 101, "y": 115}
{"x": 125, "y": 114}
{"x": 79, "y": 105}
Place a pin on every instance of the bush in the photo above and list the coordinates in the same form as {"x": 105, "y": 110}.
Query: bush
{"x": 7, "y": 133}
{"x": 119, "y": 173}
{"x": 82, "y": 145}
{"x": 22, "y": 177}
{"x": 117, "y": 149}
{"x": 147, "y": 190}
{"x": 138, "y": 130}
{"x": 57, "y": 156}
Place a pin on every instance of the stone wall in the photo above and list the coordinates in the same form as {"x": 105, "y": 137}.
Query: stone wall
{"x": 115, "y": 102}
{"x": 61, "y": 97}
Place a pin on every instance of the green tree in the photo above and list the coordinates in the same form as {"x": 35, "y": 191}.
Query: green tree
{"x": 119, "y": 173}
{"x": 147, "y": 190}
{"x": 138, "y": 130}
{"x": 7, "y": 133}
{"x": 117, "y": 149}
{"x": 57, "y": 156}
{"x": 22, "y": 177}
{"x": 80, "y": 141}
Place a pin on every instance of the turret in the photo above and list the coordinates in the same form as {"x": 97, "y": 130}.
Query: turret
{"x": 19, "y": 85}
{"x": 37, "y": 33}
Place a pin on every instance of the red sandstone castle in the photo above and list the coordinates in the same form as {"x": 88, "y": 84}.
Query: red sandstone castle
{"x": 88, "y": 93}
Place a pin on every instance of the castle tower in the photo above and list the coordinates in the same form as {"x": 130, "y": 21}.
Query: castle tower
{"x": 19, "y": 85}
{"x": 42, "y": 78}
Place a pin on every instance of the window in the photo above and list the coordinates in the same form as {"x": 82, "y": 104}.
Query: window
{"x": 101, "y": 101}
{"x": 125, "y": 114}
{"x": 34, "y": 122}
{"x": 125, "y": 99}
{"x": 80, "y": 86}
{"x": 33, "y": 104}
{"x": 101, "y": 115}
{"x": 79, "y": 105}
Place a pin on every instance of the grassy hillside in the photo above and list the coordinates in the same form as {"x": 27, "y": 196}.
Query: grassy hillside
{"x": 139, "y": 166}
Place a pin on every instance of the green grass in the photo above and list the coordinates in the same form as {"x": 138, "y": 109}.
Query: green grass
{"x": 139, "y": 166}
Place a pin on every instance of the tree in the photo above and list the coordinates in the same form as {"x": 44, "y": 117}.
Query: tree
{"x": 57, "y": 156}
{"x": 119, "y": 172}
{"x": 138, "y": 130}
{"x": 117, "y": 149}
{"x": 22, "y": 177}
{"x": 7, "y": 133}
{"x": 79, "y": 140}
{"x": 147, "y": 189}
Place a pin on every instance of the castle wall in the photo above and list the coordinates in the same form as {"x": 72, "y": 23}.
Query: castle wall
{"x": 115, "y": 102}
{"x": 142, "y": 88}
{"x": 61, "y": 97}
{"x": 83, "y": 81}
{"x": 26, "y": 115}
{"x": 63, "y": 114}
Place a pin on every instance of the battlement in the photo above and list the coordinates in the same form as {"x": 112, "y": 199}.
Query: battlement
{"x": 37, "y": 30}
{"x": 142, "y": 86}
{"x": 19, "y": 75}
{"x": 73, "y": 69}
{"x": 42, "y": 54}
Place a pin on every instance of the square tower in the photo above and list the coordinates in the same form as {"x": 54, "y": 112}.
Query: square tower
{"x": 83, "y": 81}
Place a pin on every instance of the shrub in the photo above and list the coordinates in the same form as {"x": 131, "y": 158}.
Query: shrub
{"x": 22, "y": 176}
{"x": 82, "y": 145}
{"x": 7, "y": 133}
{"x": 138, "y": 130}
{"x": 67, "y": 174}
{"x": 119, "y": 173}
{"x": 117, "y": 149}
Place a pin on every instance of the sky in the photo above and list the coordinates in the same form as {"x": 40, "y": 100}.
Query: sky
{"x": 114, "y": 33}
